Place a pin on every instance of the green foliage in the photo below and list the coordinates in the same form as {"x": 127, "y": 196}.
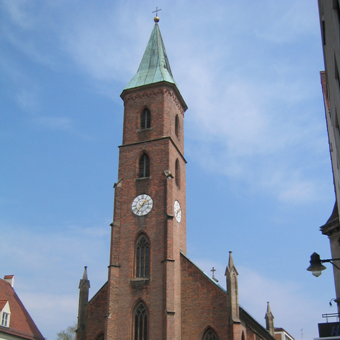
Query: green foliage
{"x": 68, "y": 334}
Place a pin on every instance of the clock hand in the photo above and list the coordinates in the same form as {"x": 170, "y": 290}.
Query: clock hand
{"x": 141, "y": 205}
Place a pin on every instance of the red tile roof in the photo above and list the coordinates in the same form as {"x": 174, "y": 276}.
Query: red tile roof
{"x": 21, "y": 323}
{"x": 2, "y": 304}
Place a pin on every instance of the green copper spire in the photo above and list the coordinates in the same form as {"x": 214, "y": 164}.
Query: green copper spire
{"x": 154, "y": 66}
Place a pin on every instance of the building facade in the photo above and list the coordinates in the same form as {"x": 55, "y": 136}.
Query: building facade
{"x": 329, "y": 14}
{"x": 15, "y": 321}
{"x": 154, "y": 291}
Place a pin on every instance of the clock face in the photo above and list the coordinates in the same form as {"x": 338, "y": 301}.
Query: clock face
{"x": 142, "y": 205}
{"x": 178, "y": 212}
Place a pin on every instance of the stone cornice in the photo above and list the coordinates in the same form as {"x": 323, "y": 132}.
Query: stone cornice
{"x": 155, "y": 140}
{"x": 330, "y": 228}
{"x": 154, "y": 90}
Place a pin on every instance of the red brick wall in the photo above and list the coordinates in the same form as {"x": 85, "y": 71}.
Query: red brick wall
{"x": 96, "y": 314}
{"x": 203, "y": 304}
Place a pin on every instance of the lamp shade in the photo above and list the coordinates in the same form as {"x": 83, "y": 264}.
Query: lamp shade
{"x": 316, "y": 267}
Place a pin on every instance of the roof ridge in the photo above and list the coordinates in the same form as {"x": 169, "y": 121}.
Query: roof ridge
{"x": 214, "y": 282}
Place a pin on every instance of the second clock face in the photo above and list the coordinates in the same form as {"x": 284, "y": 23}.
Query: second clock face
{"x": 142, "y": 205}
{"x": 178, "y": 212}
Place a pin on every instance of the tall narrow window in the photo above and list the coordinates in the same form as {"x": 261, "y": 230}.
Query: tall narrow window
{"x": 144, "y": 166}
{"x": 177, "y": 126}
{"x": 323, "y": 31}
{"x": 140, "y": 322}
{"x": 4, "y": 321}
{"x": 142, "y": 257}
{"x": 210, "y": 335}
{"x": 336, "y": 69}
{"x": 337, "y": 126}
{"x": 145, "y": 119}
{"x": 336, "y": 8}
{"x": 177, "y": 174}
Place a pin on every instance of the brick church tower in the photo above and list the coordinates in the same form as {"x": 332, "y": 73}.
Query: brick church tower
{"x": 154, "y": 292}
{"x": 148, "y": 230}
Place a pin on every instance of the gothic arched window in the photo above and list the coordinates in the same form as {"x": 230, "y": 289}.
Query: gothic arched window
{"x": 177, "y": 126}
{"x": 210, "y": 335}
{"x": 177, "y": 174}
{"x": 142, "y": 257}
{"x": 144, "y": 166}
{"x": 145, "y": 119}
{"x": 140, "y": 322}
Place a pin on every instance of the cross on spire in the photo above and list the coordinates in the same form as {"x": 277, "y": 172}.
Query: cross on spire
{"x": 156, "y": 11}
{"x": 213, "y": 270}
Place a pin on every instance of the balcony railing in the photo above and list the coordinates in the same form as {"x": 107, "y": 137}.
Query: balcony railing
{"x": 335, "y": 317}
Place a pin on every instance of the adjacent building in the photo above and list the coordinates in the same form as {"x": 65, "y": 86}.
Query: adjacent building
{"x": 330, "y": 33}
{"x": 281, "y": 334}
{"x": 16, "y": 323}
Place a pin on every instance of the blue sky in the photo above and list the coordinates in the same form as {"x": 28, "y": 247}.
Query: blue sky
{"x": 259, "y": 179}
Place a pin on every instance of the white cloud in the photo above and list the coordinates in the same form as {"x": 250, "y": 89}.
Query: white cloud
{"x": 18, "y": 11}
{"x": 286, "y": 24}
{"x": 102, "y": 44}
{"x": 27, "y": 100}
{"x": 237, "y": 135}
{"x": 28, "y": 47}
{"x": 242, "y": 93}
{"x": 53, "y": 248}
{"x": 45, "y": 264}
{"x": 53, "y": 311}
{"x": 251, "y": 129}
{"x": 58, "y": 123}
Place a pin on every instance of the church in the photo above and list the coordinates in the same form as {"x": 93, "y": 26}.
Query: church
{"x": 154, "y": 291}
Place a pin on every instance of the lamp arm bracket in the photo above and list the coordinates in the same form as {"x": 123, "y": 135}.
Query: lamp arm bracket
{"x": 331, "y": 261}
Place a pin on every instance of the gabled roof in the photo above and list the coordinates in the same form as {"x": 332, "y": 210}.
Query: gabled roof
{"x": 204, "y": 273}
{"x": 21, "y": 323}
{"x": 154, "y": 67}
{"x": 244, "y": 315}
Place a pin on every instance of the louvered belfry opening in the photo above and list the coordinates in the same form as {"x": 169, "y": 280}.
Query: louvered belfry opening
{"x": 177, "y": 126}
{"x": 145, "y": 120}
{"x": 177, "y": 174}
{"x": 144, "y": 166}
{"x": 142, "y": 257}
{"x": 141, "y": 323}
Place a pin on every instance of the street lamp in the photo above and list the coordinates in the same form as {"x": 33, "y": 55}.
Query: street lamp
{"x": 316, "y": 266}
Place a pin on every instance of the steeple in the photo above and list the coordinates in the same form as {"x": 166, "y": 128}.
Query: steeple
{"x": 84, "y": 286}
{"x": 154, "y": 67}
{"x": 269, "y": 320}
{"x": 84, "y": 277}
{"x": 232, "y": 288}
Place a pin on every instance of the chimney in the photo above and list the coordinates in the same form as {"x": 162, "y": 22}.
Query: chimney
{"x": 9, "y": 279}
